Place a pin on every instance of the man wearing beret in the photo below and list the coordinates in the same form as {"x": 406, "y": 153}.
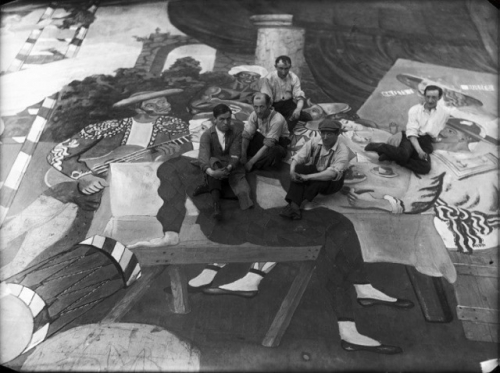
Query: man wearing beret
{"x": 318, "y": 167}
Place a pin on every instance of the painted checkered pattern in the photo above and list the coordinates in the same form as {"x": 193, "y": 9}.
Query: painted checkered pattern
{"x": 27, "y": 47}
{"x": 81, "y": 32}
{"x": 38, "y": 310}
{"x": 16, "y": 174}
{"x": 123, "y": 257}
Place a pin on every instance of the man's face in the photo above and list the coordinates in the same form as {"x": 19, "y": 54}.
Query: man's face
{"x": 282, "y": 68}
{"x": 223, "y": 122}
{"x": 156, "y": 106}
{"x": 329, "y": 138}
{"x": 431, "y": 99}
{"x": 261, "y": 108}
{"x": 247, "y": 77}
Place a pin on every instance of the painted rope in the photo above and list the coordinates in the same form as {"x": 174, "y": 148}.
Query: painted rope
{"x": 16, "y": 174}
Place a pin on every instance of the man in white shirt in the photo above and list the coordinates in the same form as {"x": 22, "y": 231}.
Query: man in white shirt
{"x": 425, "y": 122}
{"x": 265, "y": 136}
{"x": 283, "y": 87}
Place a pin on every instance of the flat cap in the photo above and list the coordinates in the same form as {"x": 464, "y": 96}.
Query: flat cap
{"x": 330, "y": 124}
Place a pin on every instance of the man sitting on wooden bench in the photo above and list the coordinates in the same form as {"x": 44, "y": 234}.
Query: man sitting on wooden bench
{"x": 341, "y": 260}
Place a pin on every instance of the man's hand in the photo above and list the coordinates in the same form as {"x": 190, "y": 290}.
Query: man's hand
{"x": 303, "y": 177}
{"x": 295, "y": 177}
{"x": 422, "y": 155}
{"x": 269, "y": 142}
{"x": 166, "y": 151}
{"x": 90, "y": 184}
{"x": 295, "y": 115}
{"x": 219, "y": 174}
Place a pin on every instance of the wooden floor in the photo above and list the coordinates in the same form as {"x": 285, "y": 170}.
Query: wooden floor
{"x": 228, "y": 330}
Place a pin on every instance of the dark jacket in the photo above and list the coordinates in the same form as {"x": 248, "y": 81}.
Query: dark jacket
{"x": 210, "y": 147}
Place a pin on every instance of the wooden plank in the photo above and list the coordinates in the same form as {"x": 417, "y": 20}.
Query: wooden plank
{"x": 133, "y": 294}
{"x": 476, "y": 314}
{"x": 488, "y": 286}
{"x": 487, "y": 257}
{"x": 431, "y": 296}
{"x": 178, "y": 281}
{"x": 481, "y": 332}
{"x": 467, "y": 292}
{"x": 288, "y": 306}
{"x": 197, "y": 252}
{"x": 476, "y": 270}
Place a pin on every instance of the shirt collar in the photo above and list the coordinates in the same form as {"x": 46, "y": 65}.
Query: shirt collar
{"x": 219, "y": 132}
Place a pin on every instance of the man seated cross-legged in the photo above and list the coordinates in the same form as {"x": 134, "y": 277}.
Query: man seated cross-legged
{"x": 265, "y": 136}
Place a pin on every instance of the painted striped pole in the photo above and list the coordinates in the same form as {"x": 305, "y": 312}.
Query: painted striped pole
{"x": 16, "y": 174}
{"x": 26, "y": 49}
{"x": 81, "y": 32}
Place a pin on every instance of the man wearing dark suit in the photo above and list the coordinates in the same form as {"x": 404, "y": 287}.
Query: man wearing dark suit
{"x": 219, "y": 156}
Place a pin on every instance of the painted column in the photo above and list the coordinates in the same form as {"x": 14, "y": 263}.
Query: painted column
{"x": 276, "y": 36}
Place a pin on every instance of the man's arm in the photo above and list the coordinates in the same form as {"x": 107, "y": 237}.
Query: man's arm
{"x": 248, "y": 133}
{"x": 298, "y": 95}
{"x": 418, "y": 148}
{"x": 412, "y": 130}
{"x": 336, "y": 169}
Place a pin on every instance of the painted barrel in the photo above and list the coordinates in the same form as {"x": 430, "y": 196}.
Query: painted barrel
{"x": 46, "y": 297}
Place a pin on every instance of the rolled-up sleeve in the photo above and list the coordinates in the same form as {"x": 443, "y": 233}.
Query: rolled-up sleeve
{"x": 302, "y": 155}
{"x": 297, "y": 91}
{"x": 340, "y": 161}
{"x": 276, "y": 128}
{"x": 412, "y": 126}
{"x": 250, "y": 126}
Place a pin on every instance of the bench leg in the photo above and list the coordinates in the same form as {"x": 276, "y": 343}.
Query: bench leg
{"x": 289, "y": 305}
{"x": 178, "y": 282}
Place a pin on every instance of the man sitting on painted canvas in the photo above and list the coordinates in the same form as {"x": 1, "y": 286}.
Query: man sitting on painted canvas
{"x": 265, "y": 137}
{"x": 219, "y": 155}
{"x": 283, "y": 87}
{"x": 425, "y": 122}
{"x": 318, "y": 167}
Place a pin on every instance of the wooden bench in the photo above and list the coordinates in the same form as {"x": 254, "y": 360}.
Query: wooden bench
{"x": 201, "y": 252}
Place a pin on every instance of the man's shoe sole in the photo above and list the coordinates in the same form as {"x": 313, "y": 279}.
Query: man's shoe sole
{"x": 382, "y": 349}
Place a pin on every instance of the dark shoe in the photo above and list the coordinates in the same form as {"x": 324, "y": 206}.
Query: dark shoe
{"x": 290, "y": 213}
{"x": 201, "y": 189}
{"x": 238, "y": 293}
{"x": 382, "y": 349}
{"x": 399, "y": 303}
{"x": 296, "y": 215}
{"x": 217, "y": 215}
{"x": 286, "y": 212}
{"x": 373, "y": 146}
